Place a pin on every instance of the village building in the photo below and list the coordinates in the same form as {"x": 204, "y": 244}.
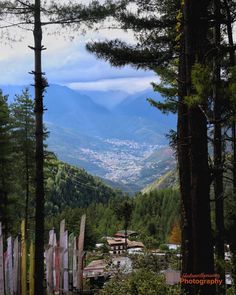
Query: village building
{"x": 122, "y": 234}
{"x": 118, "y": 246}
{"x": 102, "y": 268}
{"x": 173, "y": 246}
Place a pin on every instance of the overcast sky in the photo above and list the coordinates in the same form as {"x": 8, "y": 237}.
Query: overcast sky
{"x": 68, "y": 63}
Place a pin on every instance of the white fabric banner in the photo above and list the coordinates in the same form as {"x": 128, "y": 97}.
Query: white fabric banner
{"x": 54, "y": 260}
{"x": 66, "y": 262}
{"x": 62, "y": 230}
{"x": 6, "y": 272}
{"x": 70, "y": 251}
{"x": 2, "y": 290}
{"x": 75, "y": 259}
{"x": 10, "y": 265}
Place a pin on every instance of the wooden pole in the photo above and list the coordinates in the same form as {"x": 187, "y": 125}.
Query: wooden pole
{"x": 2, "y": 286}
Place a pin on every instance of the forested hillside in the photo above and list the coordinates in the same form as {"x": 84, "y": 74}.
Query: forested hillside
{"x": 153, "y": 216}
{"x": 70, "y": 187}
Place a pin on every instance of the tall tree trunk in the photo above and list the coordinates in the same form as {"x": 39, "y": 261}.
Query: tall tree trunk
{"x": 233, "y": 128}
{"x": 39, "y": 214}
{"x": 184, "y": 173}
{"x": 195, "y": 21}
{"x": 218, "y": 165}
{"x": 26, "y": 194}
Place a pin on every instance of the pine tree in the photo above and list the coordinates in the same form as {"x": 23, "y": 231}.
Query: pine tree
{"x": 5, "y": 164}
{"x": 218, "y": 153}
{"x": 229, "y": 7}
{"x": 22, "y": 111}
{"x": 124, "y": 212}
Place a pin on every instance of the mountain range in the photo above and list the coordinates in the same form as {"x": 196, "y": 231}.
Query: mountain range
{"x": 114, "y": 135}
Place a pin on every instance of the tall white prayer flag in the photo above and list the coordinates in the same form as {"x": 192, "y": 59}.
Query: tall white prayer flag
{"x": 66, "y": 262}
{"x": 75, "y": 259}
{"x": 10, "y": 265}
{"x": 70, "y": 251}
{"x": 2, "y": 289}
{"x": 49, "y": 263}
{"x": 62, "y": 230}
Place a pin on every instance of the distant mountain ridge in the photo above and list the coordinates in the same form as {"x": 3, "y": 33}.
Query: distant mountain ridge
{"x": 108, "y": 99}
{"x": 120, "y": 144}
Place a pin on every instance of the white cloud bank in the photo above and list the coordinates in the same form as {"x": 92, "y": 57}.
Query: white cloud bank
{"x": 129, "y": 84}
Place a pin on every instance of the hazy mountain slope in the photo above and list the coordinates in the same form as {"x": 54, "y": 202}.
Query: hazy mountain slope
{"x": 109, "y": 99}
{"x": 168, "y": 180}
{"x": 138, "y": 106}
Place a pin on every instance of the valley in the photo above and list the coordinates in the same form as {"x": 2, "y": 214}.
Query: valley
{"x": 124, "y": 143}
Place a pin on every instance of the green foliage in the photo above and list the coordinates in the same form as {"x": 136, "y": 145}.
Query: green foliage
{"x": 75, "y": 14}
{"x": 70, "y": 187}
{"x": 202, "y": 83}
{"x": 230, "y": 218}
{"x": 23, "y": 133}
{"x": 166, "y": 107}
{"x": 154, "y": 214}
{"x": 7, "y": 200}
{"x": 230, "y": 291}
{"x": 123, "y": 212}
{"x": 17, "y": 158}
{"x": 156, "y": 263}
{"x": 164, "y": 247}
{"x": 167, "y": 87}
{"x": 140, "y": 282}
{"x": 149, "y": 262}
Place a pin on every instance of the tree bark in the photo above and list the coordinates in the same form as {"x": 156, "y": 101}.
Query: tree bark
{"x": 184, "y": 173}
{"x": 26, "y": 192}
{"x": 195, "y": 31}
{"x": 233, "y": 128}
{"x": 218, "y": 165}
{"x": 39, "y": 214}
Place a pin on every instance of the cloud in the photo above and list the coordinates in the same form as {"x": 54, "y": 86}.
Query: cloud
{"x": 65, "y": 62}
{"x": 128, "y": 84}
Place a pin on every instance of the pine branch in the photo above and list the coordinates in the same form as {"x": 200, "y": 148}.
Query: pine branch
{"x": 119, "y": 54}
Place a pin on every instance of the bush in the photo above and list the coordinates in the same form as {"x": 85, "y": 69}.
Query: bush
{"x": 140, "y": 282}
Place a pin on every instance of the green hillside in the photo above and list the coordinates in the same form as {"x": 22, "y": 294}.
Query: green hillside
{"x": 155, "y": 214}
{"x": 71, "y": 187}
{"x": 170, "y": 179}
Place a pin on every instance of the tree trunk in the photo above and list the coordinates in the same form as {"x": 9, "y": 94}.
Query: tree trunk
{"x": 218, "y": 165}
{"x": 26, "y": 194}
{"x": 233, "y": 128}
{"x": 232, "y": 64}
{"x": 39, "y": 214}
{"x": 195, "y": 20}
{"x": 184, "y": 173}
